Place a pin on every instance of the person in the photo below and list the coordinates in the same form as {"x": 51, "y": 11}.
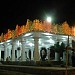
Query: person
{"x": 73, "y": 59}
{"x": 43, "y": 53}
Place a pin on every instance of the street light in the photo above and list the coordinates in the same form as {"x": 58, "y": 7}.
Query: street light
{"x": 49, "y": 19}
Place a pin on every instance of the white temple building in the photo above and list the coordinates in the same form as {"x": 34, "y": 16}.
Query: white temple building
{"x": 33, "y": 40}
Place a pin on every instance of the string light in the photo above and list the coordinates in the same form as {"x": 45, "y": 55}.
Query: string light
{"x": 39, "y": 26}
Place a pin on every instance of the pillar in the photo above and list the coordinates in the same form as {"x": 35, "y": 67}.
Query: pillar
{"x": 5, "y": 51}
{"x": 27, "y": 50}
{"x": 9, "y": 50}
{"x": 23, "y": 58}
{"x": 64, "y": 56}
{"x": 56, "y": 56}
{"x": 36, "y": 49}
{"x": 48, "y": 54}
{"x": 32, "y": 55}
{"x": 18, "y": 53}
{"x": 0, "y": 54}
{"x": 13, "y": 50}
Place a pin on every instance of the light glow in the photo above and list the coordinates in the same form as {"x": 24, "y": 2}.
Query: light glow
{"x": 48, "y": 19}
{"x": 47, "y": 34}
{"x": 28, "y": 34}
{"x": 8, "y": 40}
{"x": 28, "y": 43}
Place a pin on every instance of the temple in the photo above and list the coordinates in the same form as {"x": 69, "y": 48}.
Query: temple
{"x": 25, "y": 42}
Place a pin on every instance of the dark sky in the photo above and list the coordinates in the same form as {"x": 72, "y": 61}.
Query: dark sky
{"x": 14, "y": 12}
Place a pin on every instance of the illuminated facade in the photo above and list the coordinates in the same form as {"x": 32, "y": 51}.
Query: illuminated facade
{"x": 32, "y": 36}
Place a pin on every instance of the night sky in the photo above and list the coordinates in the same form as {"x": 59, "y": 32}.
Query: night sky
{"x": 14, "y": 12}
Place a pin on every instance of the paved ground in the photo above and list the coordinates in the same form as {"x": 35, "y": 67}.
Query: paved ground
{"x": 39, "y": 70}
{"x": 40, "y": 67}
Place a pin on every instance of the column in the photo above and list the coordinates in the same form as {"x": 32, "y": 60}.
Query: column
{"x": 13, "y": 50}
{"x": 23, "y": 58}
{"x": 48, "y": 53}
{"x": 9, "y": 50}
{"x": 36, "y": 49}
{"x": 27, "y": 50}
{"x": 0, "y": 54}
{"x": 10, "y": 47}
{"x": 32, "y": 55}
{"x": 64, "y": 56}
{"x": 18, "y": 53}
{"x": 5, "y": 51}
{"x": 56, "y": 56}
